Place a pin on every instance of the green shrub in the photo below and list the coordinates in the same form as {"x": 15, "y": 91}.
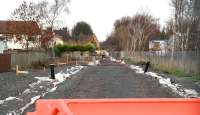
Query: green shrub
{"x": 58, "y": 49}
{"x": 89, "y": 47}
{"x": 65, "y": 48}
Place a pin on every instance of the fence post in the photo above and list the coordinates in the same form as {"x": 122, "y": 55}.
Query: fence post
{"x": 52, "y": 71}
{"x": 147, "y": 66}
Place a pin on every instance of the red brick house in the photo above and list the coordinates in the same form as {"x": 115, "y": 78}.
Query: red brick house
{"x": 9, "y": 30}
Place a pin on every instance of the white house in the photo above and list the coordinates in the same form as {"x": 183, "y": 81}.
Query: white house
{"x": 13, "y": 28}
{"x": 56, "y": 40}
{"x": 11, "y": 44}
{"x": 2, "y": 46}
{"x": 158, "y": 45}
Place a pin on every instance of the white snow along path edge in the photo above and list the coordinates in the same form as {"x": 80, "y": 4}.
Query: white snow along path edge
{"x": 177, "y": 88}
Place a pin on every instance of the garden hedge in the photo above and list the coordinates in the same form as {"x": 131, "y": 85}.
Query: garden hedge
{"x": 58, "y": 49}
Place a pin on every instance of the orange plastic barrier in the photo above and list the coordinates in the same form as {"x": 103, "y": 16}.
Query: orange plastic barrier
{"x": 118, "y": 107}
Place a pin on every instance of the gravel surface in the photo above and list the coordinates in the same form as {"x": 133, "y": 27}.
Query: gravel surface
{"x": 12, "y": 85}
{"x": 18, "y": 92}
{"x": 111, "y": 80}
{"x": 118, "y": 82}
{"x": 107, "y": 80}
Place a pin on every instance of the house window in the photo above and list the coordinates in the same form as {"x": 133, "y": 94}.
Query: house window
{"x": 156, "y": 46}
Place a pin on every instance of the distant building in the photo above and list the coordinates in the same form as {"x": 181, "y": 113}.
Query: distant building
{"x": 56, "y": 40}
{"x": 158, "y": 45}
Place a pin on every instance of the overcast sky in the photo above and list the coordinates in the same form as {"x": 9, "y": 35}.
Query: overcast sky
{"x": 100, "y": 14}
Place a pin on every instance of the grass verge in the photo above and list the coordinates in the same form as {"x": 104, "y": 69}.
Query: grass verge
{"x": 171, "y": 71}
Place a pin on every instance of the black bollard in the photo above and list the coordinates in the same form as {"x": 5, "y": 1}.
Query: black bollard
{"x": 147, "y": 66}
{"x": 52, "y": 71}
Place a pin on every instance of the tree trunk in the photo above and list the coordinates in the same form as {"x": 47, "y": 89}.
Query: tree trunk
{"x": 27, "y": 43}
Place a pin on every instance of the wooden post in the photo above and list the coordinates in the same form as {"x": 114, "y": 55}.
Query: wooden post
{"x": 17, "y": 70}
{"x": 20, "y": 72}
{"x": 67, "y": 59}
{"x": 52, "y": 71}
{"x": 147, "y": 66}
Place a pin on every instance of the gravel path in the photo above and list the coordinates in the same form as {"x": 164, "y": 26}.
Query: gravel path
{"x": 111, "y": 80}
{"x": 107, "y": 80}
{"x": 118, "y": 82}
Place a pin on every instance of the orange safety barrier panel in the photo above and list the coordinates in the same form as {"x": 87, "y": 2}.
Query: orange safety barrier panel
{"x": 184, "y": 106}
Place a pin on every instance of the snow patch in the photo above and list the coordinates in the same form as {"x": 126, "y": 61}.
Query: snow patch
{"x": 72, "y": 71}
{"x": 154, "y": 75}
{"x": 9, "y": 99}
{"x": 12, "y": 113}
{"x": 91, "y": 63}
{"x": 191, "y": 93}
{"x": 33, "y": 99}
{"x": 137, "y": 69}
{"x": 43, "y": 78}
{"x": 177, "y": 88}
{"x": 32, "y": 85}
{"x": 97, "y": 62}
{"x": 113, "y": 59}
{"x": 53, "y": 89}
{"x": 27, "y": 91}
{"x": 123, "y": 62}
{"x": 165, "y": 81}
{"x": 94, "y": 63}
{"x": 118, "y": 61}
{"x": 61, "y": 76}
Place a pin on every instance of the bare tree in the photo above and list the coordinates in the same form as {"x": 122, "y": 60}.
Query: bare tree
{"x": 52, "y": 12}
{"x": 133, "y": 33}
{"x": 184, "y": 25}
{"x": 142, "y": 29}
{"x": 27, "y": 12}
{"x": 42, "y": 13}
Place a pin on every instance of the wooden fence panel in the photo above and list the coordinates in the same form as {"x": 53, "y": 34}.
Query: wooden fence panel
{"x": 5, "y": 62}
{"x": 25, "y": 59}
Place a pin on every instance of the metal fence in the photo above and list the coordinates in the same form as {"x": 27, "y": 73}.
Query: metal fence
{"x": 189, "y": 61}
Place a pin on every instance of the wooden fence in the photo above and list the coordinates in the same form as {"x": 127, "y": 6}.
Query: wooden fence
{"x": 26, "y": 58}
{"x": 74, "y": 58}
{"x": 5, "y": 62}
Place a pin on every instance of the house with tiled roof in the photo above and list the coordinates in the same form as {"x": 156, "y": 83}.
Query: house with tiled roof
{"x": 10, "y": 29}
